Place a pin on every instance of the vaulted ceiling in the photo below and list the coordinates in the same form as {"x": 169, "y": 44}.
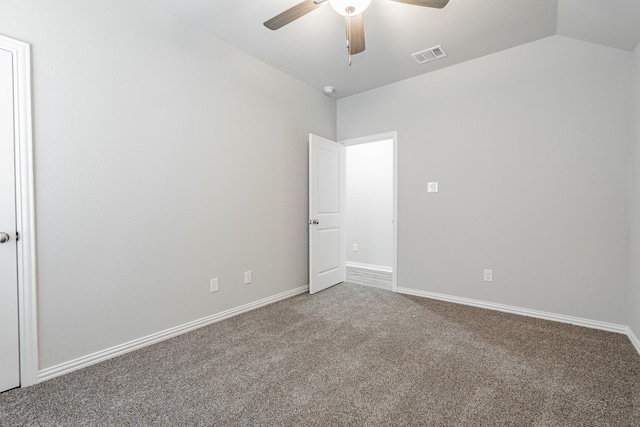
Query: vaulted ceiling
{"x": 312, "y": 48}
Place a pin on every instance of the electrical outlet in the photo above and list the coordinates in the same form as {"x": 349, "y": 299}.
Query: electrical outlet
{"x": 247, "y": 277}
{"x": 355, "y": 247}
{"x": 488, "y": 275}
{"x": 213, "y": 285}
{"x": 432, "y": 187}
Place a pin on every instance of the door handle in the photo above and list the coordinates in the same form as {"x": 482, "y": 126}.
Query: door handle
{"x": 4, "y": 237}
{"x": 314, "y": 222}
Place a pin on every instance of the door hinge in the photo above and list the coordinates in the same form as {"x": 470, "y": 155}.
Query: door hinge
{"x": 17, "y": 236}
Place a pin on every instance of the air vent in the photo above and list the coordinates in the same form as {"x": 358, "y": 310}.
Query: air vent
{"x": 429, "y": 55}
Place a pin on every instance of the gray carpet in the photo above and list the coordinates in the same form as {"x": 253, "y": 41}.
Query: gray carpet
{"x": 353, "y": 355}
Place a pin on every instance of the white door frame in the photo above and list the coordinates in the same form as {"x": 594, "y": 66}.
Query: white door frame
{"x": 375, "y": 138}
{"x": 25, "y": 209}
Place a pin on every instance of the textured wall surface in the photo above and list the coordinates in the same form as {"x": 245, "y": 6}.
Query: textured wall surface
{"x": 531, "y": 150}
{"x": 164, "y": 158}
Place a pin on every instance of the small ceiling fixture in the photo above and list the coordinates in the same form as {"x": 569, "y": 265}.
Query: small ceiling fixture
{"x": 352, "y": 12}
{"x": 349, "y": 7}
{"x": 329, "y": 90}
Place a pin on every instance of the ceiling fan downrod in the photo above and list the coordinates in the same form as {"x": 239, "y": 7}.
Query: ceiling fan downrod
{"x": 348, "y": 38}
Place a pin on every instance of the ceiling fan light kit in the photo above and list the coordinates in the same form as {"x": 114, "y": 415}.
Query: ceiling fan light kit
{"x": 349, "y": 7}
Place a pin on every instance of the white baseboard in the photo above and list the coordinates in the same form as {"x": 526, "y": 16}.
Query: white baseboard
{"x": 369, "y": 266}
{"x": 100, "y": 356}
{"x": 634, "y": 339}
{"x": 594, "y": 324}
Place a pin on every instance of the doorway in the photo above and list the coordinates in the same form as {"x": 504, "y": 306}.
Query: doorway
{"x": 371, "y": 194}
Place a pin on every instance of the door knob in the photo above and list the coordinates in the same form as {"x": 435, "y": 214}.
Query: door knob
{"x": 4, "y": 237}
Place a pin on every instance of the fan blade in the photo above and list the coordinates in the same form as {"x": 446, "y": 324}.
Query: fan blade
{"x": 438, "y": 4}
{"x": 292, "y": 14}
{"x": 355, "y": 34}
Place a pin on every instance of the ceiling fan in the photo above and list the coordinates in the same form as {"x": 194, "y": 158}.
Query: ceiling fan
{"x": 350, "y": 9}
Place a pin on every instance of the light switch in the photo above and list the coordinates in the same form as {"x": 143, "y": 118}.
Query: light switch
{"x": 213, "y": 285}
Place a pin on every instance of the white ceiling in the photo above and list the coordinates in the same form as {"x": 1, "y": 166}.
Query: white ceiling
{"x": 312, "y": 49}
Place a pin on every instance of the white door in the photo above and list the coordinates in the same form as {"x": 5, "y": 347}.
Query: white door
{"x": 327, "y": 200}
{"x": 9, "y": 335}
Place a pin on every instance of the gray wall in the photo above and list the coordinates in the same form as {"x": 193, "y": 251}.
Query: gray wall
{"x": 164, "y": 158}
{"x": 530, "y": 147}
{"x": 634, "y": 294}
